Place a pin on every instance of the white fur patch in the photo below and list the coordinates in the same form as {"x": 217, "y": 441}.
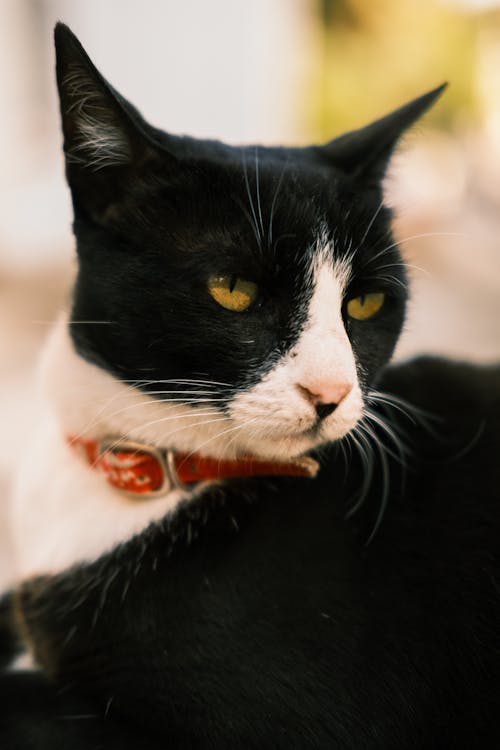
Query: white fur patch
{"x": 99, "y": 140}
{"x": 63, "y": 511}
{"x": 279, "y": 418}
{"x": 24, "y": 662}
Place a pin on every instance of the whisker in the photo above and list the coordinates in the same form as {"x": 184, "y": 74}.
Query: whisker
{"x": 414, "y": 237}
{"x": 366, "y": 440}
{"x": 130, "y": 384}
{"x": 470, "y": 445}
{"x": 385, "y": 493}
{"x": 251, "y": 222}
{"x": 400, "y": 446}
{"x": 95, "y": 419}
{"x": 181, "y": 429}
{"x": 389, "y": 398}
{"x": 195, "y": 426}
{"x": 128, "y": 433}
{"x": 406, "y": 266}
{"x": 373, "y": 441}
{"x": 175, "y": 392}
{"x": 273, "y": 204}
{"x": 366, "y": 453}
{"x": 162, "y": 420}
{"x": 231, "y": 441}
{"x": 412, "y": 412}
{"x": 382, "y": 448}
{"x": 372, "y": 221}
{"x": 249, "y": 194}
{"x": 371, "y": 396}
{"x": 258, "y": 189}
{"x": 177, "y": 381}
{"x": 224, "y": 432}
{"x": 77, "y": 322}
{"x": 174, "y": 402}
{"x": 394, "y": 281}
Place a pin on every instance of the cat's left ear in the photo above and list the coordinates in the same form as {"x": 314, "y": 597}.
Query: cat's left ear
{"x": 365, "y": 153}
{"x": 106, "y": 141}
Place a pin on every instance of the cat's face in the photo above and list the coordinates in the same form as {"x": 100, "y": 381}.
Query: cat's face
{"x": 252, "y": 293}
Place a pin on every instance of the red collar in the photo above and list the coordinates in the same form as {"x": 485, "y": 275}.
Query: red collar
{"x": 141, "y": 469}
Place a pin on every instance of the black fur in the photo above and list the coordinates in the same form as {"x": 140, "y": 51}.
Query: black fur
{"x": 10, "y": 643}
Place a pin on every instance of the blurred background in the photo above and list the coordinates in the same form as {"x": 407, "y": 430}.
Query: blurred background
{"x": 290, "y": 71}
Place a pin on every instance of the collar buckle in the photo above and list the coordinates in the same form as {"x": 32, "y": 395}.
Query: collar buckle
{"x": 172, "y": 472}
{"x": 137, "y": 469}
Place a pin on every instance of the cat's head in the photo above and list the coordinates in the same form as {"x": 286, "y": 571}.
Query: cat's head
{"x": 252, "y": 292}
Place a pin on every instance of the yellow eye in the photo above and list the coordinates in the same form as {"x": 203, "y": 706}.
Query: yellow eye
{"x": 233, "y": 294}
{"x": 364, "y": 307}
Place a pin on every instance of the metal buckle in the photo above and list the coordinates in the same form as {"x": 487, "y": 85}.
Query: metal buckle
{"x": 172, "y": 470}
{"x": 164, "y": 458}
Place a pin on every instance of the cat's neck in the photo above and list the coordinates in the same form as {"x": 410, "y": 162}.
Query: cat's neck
{"x": 90, "y": 403}
{"x": 62, "y": 511}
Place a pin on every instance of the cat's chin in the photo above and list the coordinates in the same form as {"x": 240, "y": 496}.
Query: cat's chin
{"x": 283, "y": 447}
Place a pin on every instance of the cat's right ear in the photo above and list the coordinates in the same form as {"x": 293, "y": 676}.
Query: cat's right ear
{"x": 365, "y": 153}
{"x": 106, "y": 143}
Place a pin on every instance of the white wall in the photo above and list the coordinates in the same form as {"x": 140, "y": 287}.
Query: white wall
{"x": 228, "y": 69}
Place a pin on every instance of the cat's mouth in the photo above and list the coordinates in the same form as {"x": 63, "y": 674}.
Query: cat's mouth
{"x": 314, "y": 431}
{"x": 289, "y": 429}
{"x": 285, "y": 443}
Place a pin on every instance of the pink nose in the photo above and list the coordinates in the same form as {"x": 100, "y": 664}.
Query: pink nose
{"x": 325, "y": 396}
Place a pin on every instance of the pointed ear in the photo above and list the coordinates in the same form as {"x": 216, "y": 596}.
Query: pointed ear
{"x": 365, "y": 153}
{"x": 105, "y": 138}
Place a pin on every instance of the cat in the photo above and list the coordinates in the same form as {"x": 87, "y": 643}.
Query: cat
{"x": 233, "y": 315}
{"x": 152, "y": 353}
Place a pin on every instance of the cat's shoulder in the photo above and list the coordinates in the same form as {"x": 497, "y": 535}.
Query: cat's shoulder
{"x": 444, "y": 383}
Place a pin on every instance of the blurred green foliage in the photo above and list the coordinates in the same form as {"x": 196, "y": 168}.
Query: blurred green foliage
{"x": 373, "y": 55}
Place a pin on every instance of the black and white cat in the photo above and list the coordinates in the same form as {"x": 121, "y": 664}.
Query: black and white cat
{"x": 233, "y": 310}
{"x": 172, "y": 233}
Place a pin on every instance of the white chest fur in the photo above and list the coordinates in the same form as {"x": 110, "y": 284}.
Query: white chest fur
{"x": 63, "y": 512}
